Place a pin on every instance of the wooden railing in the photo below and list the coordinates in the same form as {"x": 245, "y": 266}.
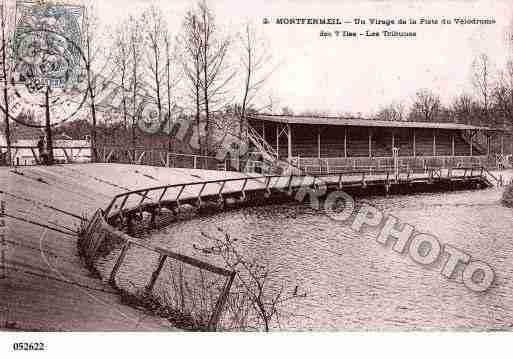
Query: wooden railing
{"x": 310, "y": 165}
{"x": 98, "y": 231}
{"x": 198, "y": 192}
{"x": 160, "y": 158}
{"x": 29, "y": 155}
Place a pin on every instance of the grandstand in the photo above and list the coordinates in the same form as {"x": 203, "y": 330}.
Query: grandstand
{"x": 334, "y": 143}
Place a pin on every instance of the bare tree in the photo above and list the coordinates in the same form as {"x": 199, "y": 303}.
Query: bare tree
{"x": 121, "y": 62}
{"x": 191, "y": 42}
{"x": 464, "y": 108}
{"x": 255, "y": 59}
{"x": 170, "y": 83}
{"x": 426, "y": 106}
{"x": 172, "y": 79}
{"x": 482, "y": 81}
{"x": 6, "y": 29}
{"x": 136, "y": 48}
{"x": 392, "y": 112}
{"x": 503, "y": 93}
{"x": 97, "y": 59}
{"x": 155, "y": 30}
{"x": 213, "y": 55}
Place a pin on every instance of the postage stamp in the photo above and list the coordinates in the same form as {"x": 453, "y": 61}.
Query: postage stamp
{"x": 46, "y": 55}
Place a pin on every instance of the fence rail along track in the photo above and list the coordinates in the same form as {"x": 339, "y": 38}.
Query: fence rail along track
{"x": 108, "y": 225}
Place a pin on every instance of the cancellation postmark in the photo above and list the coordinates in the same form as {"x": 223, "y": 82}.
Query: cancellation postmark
{"x": 47, "y": 65}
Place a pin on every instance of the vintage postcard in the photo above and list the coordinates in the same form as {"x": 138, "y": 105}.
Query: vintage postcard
{"x": 227, "y": 166}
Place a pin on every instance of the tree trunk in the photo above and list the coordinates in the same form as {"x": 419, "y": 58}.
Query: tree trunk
{"x": 206, "y": 29}
{"x": 168, "y": 120}
{"x": 134, "y": 99}
{"x": 198, "y": 105}
{"x": 7, "y": 128}
{"x": 125, "y": 120}
{"x": 207, "y": 114}
{"x": 94, "y": 157}
{"x": 6, "y": 98}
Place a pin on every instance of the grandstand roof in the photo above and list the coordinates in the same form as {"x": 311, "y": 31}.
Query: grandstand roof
{"x": 363, "y": 122}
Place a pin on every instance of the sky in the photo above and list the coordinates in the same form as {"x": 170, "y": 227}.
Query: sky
{"x": 357, "y": 74}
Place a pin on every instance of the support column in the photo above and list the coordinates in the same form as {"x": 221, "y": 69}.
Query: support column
{"x": 502, "y": 144}
{"x": 263, "y": 130}
{"x": 434, "y": 142}
{"x": 393, "y": 142}
{"x": 277, "y": 141}
{"x": 370, "y": 142}
{"x": 414, "y": 149}
{"x": 318, "y": 143}
{"x": 452, "y": 145}
{"x": 345, "y": 141}
{"x": 487, "y": 145}
{"x": 289, "y": 141}
{"x": 471, "y": 138}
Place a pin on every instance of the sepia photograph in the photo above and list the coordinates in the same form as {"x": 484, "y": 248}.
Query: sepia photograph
{"x": 302, "y": 168}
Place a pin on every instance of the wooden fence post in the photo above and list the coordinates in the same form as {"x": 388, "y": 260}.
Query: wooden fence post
{"x": 214, "y": 319}
{"x": 119, "y": 261}
{"x": 156, "y": 273}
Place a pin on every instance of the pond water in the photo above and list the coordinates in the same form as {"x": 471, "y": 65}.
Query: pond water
{"x": 348, "y": 281}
